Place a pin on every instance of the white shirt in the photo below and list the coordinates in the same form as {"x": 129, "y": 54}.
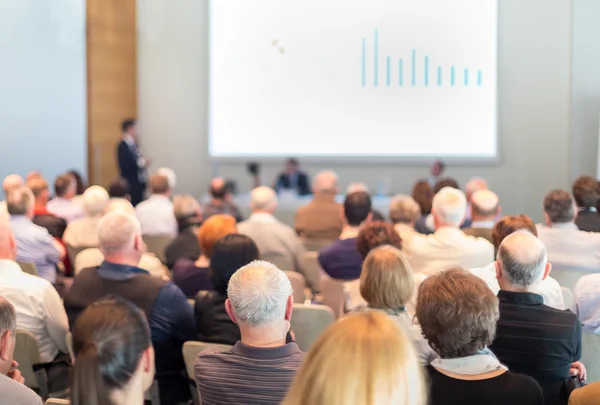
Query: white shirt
{"x": 39, "y": 308}
{"x": 569, "y": 248}
{"x": 66, "y": 209}
{"x": 447, "y": 247}
{"x": 586, "y": 302}
{"x": 156, "y": 216}
{"x": 548, "y": 288}
{"x": 93, "y": 258}
{"x": 483, "y": 224}
{"x": 83, "y": 232}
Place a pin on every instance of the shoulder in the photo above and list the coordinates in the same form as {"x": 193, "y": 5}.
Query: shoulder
{"x": 521, "y": 383}
{"x": 20, "y": 393}
{"x": 586, "y": 395}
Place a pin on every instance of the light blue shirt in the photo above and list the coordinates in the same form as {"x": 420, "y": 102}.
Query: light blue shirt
{"x": 586, "y": 302}
{"x": 35, "y": 244}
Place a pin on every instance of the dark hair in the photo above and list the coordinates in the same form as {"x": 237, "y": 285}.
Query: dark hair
{"x": 377, "y": 233}
{"x": 508, "y": 225}
{"x": 81, "y": 186}
{"x": 127, "y": 124}
{"x": 586, "y": 192}
{"x": 441, "y": 164}
{"x": 292, "y": 161}
{"x": 62, "y": 184}
{"x": 423, "y": 195}
{"x": 445, "y": 182}
{"x": 229, "y": 254}
{"x": 118, "y": 188}
{"x": 357, "y": 207}
{"x": 558, "y": 205}
{"x": 109, "y": 338}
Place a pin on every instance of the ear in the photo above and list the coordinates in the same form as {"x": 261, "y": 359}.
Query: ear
{"x": 147, "y": 367}
{"x": 547, "y": 270}
{"x": 5, "y": 347}
{"x": 289, "y": 308}
{"x": 343, "y": 215}
{"x": 547, "y": 219}
{"x": 498, "y": 270}
{"x": 369, "y": 217}
{"x": 499, "y": 210}
{"x": 139, "y": 244}
{"x": 229, "y": 311}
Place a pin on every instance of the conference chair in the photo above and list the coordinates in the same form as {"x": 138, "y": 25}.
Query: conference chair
{"x": 590, "y": 350}
{"x": 29, "y": 268}
{"x": 311, "y": 262}
{"x": 567, "y": 297}
{"x": 72, "y": 252}
{"x": 54, "y": 401}
{"x": 298, "y": 285}
{"x": 282, "y": 262}
{"x": 309, "y": 322}
{"x": 157, "y": 244}
{"x": 332, "y": 294}
{"x": 190, "y": 351}
{"x": 69, "y": 341}
{"x": 567, "y": 278}
{"x": 315, "y": 245}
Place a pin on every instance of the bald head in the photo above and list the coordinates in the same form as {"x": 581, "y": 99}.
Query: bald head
{"x": 263, "y": 199}
{"x": 484, "y": 205}
{"x": 11, "y": 182}
{"x": 218, "y": 190}
{"x": 473, "y": 185}
{"x": 522, "y": 260}
{"x": 326, "y": 182}
{"x": 119, "y": 205}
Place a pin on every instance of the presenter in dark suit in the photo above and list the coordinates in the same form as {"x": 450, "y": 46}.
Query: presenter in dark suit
{"x": 293, "y": 179}
{"x": 132, "y": 164}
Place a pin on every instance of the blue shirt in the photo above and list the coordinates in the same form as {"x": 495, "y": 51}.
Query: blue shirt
{"x": 341, "y": 260}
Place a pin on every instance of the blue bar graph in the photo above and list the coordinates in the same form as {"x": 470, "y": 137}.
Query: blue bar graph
{"x": 400, "y": 74}
{"x": 414, "y": 67}
{"x": 452, "y": 76}
{"x": 364, "y": 62}
{"x": 479, "y": 81}
{"x": 426, "y": 70}
{"x": 466, "y": 77}
{"x": 439, "y": 76}
{"x": 376, "y": 68}
{"x": 387, "y": 72}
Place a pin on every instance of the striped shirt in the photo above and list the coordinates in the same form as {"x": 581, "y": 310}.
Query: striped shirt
{"x": 246, "y": 375}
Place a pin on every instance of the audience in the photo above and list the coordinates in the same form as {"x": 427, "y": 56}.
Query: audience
{"x": 260, "y": 366}
{"x": 84, "y": 232}
{"x": 568, "y": 247}
{"x": 404, "y": 214}
{"x": 587, "y": 195}
{"x": 586, "y": 302}
{"x": 375, "y": 234}
{"x": 115, "y": 358}
{"x": 220, "y": 201}
{"x": 445, "y": 182}
{"x": 422, "y": 193}
{"x": 532, "y": 338}
{"x": 11, "y": 182}
{"x": 170, "y": 175}
{"x": 11, "y": 381}
{"x": 156, "y": 213}
{"x": 341, "y": 260}
{"x": 484, "y": 210}
{"x": 119, "y": 189}
{"x": 363, "y": 359}
{"x": 320, "y": 219}
{"x": 458, "y": 315}
{"x": 62, "y": 205}
{"x": 193, "y": 276}
{"x": 169, "y": 314}
{"x": 448, "y": 245}
{"x": 79, "y": 181}
{"x": 277, "y": 242}
{"x": 230, "y": 253}
{"x": 41, "y": 216}
{"x": 359, "y": 186}
{"x": 293, "y": 179}
{"x": 189, "y": 217}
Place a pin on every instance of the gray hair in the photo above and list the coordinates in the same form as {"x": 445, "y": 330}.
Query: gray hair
{"x": 263, "y": 199}
{"x": 185, "y": 206}
{"x": 258, "y": 293}
{"x": 450, "y": 204}
{"x": 404, "y": 209}
{"x": 117, "y": 231}
{"x": 523, "y": 258}
{"x": 8, "y": 317}
{"x": 357, "y": 186}
{"x": 95, "y": 200}
{"x": 20, "y": 201}
{"x": 170, "y": 175}
{"x": 560, "y": 206}
{"x": 326, "y": 182}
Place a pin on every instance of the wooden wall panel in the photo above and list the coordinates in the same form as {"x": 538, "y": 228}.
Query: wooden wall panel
{"x": 112, "y": 81}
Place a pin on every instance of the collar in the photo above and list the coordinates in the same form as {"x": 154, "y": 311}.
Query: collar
{"x": 117, "y": 271}
{"x": 262, "y": 217}
{"x": 278, "y": 352}
{"x": 565, "y": 225}
{"x": 158, "y": 197}
{"x": 324, "y": 197}
{"x": 128, "y": 139}
{"x": 520, "y": 298}
{"x": 11, "y": 267}
{"x": 588, "y": 209}
{"x": 489, "y": 224}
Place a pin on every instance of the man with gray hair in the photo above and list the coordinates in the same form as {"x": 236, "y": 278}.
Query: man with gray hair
{"x": 189, "y": 217}
{"x": 11, "y": 182}
{"x": 485, "y": 208}
{"x": 568, "y": 247}
{"x": 260, "y": 366}
{"x": 532, "y": 338}
{"x": 404, "y": 213}
{"x": 156, "y": 213}
{"x": 84, "y": 232}
{"x": 448, "y": 245}
{"x": 11, "y": 381}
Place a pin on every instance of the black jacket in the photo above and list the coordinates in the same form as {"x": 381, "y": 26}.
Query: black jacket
{"x": 588, "y": 221}
{"x": 302, "y": 183}
{"x": 212, "y": 322}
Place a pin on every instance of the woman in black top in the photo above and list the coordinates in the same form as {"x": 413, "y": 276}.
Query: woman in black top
{"x": 458, "y": 315}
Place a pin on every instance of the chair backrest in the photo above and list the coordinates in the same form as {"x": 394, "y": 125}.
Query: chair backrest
{"x": 567, "y": 297}
{"x": 312, "y": 266}
{"x": 72, "y": 252}
{"x": 29, "y": 268}
{"x": 157, "y": 244}
{"x": 282, "y": 262}
{"x": 332, "y": 292}
{"x": 69, "y": 341}
{"x": 55, "y": 401}
{"x": 27, "y": 354}
{"x": 309, "y": 321}
{"x": 298, "y": 286}
{"x": 567, "y": 278}
{"x": 314, "y": 245}
{"x": 190, "y": 352}
{"x": 590, "y": 348}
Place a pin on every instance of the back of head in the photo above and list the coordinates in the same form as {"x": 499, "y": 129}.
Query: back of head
{"x": 213, "y": 229}
{"x": 508, "y": 225}
{"x": 65, "y": 186}
{"x": 218, "y": 188}
{"x": 127, "y": 124}
{"x": 559, "y": 206}
{"x": 109, "y": 340}
{"x": 159, "y": 184}
{"x": 170, "y": 175}
{"x": 117, "y": 233}
{"x": 12, "y": 182}
{"x": 364, "y": 359}
{"x": 80, "y": 189}
{"x": 8, "y": 329}
{"x": 326, "y": 182}
{"x": 423, "y": 195}
{"x": 449, "y": 206}
{"x": 184, "y": 207}
{"x": 230, "y": 253}
{"x": 484, "y": 204}
{"x": 445, "y": 182}
{"x": 386, "y": 280}
{"x": 357, "y": 207}
{"x": 258, "y": 293}
{"x": 457, "y": 313}
{"x": 263, "y": 199}
{"x": 404, "y": 210}
{"x": 473, "y": 185}
{"x": 377, "y": 233}
{"x": 119, "y": 189}
{"x": 20, "y": 201}
{"x": 38, "y": 186}
{"x": 119, "y": 205}
{"x": 95, "y": 200}
{"x": 586, "y": 192}
{"x": 522, "y": 257}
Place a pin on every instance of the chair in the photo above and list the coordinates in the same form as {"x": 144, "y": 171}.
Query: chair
{"x": 298, "y": 286}
{"x": 190, "y": 351}
{"x": 567, "y": 278}
{"x": 314, "y": 245}
{"x": 54, "y": 401}
{"x": 312, "y": 266}
{"x": 72, "y": 252}
{"x": 69, "y": 341}
{"x": 567, "y": 297}
{"x": 332, "y": 292}
{"x": 29, "y": 268}
{"x": 157, "y": 244}
{"x": 590, "y": 347}
{"x": 309, "y": 322}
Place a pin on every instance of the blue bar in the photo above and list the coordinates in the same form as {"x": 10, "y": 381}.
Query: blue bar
{"x": 452, "y": 76}
{"x": 414, "y": 67}
{"x": 426, "y": 70}
{"x": 364, "y": 67}
{"x": 439, "y": 75}
{"x": 375, "y": 68}
{"x": 400, "y": 72}
{"x": 387, "y": 76}
{"x": 479, "y": 78}
{"x": 466, "y": 77}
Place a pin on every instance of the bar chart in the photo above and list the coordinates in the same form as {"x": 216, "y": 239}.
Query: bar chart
{"x": 422, "y": 72}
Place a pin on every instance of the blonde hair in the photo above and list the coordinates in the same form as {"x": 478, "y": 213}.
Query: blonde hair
{"x": 386, "y": 280}
{"x": 382, "y": 369}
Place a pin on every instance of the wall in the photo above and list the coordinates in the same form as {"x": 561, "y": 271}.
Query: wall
{"x": 43, "y": 82}
{"x": 534, "y": 104}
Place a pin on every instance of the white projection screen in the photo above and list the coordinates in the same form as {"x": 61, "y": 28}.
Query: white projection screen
{"x": 353, "y": 78}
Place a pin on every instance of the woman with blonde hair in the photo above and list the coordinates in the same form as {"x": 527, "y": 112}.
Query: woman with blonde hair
{"x": 364, "y": 359}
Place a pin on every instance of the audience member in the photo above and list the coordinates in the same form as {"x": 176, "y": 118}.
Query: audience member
{"x": 193, "y": 276}
{"x": 132, "y": 164}
{"x": 84, "y": 232}
{"x": 532, "y": 338}
{"x": 34, "y": 243}
{"x": 568, "y": 247}
{"x": 220, "y": 201}
{"x": 79, "y": 181}
{"x": 119, "y": 189}
{"x": 320, "y": 219}
{"x": 277, "y": 242}
{"x": 422, "y": 192}
{"x": 358, "y": 186}
{"x": 41, "y": 216}
{"x": 169, "y": 314}
{"x": 342, "y": 260}
{"x": 449, "y": 246}
{"x": 375, "y": 234}
{"x": 587, "y": 196}
{"x": 11, "y": 182}
{"x": 436, "y": 172}
{"x": 115, "y": 358}
{"x": 62, "y": 205}
{"x": 404, "y": 214}
{"x": 230, "y": 253}
{"x": 458, "y": 315}
{"x": 11, "y": 381}
{"x": 473, "y": 185}
{"x": 156, "y": 213}
{"x": 170, "y": 175}
{"x": 484, "y": 211}
{"x": 587, "y": 395}
{"x": 445, "y": 182}
{"x": 189, "y": 218}
{"x": 547, "y": 287}
{"x": 586, "y": 302}
{"x": 293, "y": 179}
{"x": 363, "y": 359}
{"x": 260, "y": 301}
{"x": 34, "y": 174}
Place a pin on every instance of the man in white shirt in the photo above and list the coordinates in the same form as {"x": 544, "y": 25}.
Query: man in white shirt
{"x": 586, "y": 302}
{"x": 84, "y": 232}
{"x": 11, "y": 182}
{"x": 448, "y": 245}
{"x": 62, "y": 205}
{"x": 156, "y": 213}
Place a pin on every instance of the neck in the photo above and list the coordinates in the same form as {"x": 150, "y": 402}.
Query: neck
{"x": 482, "y": 219}
{"x": 349, "y": 232}
{"x": 268, "y": 336}
{"x": 132, "y": 394}
{"x": 512, "y": 288}
{"x": 202, "y": 261}
{"x": 125, "y": 260}
{"x": 262, "y": 212}
{"x": 6, "y": 254}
